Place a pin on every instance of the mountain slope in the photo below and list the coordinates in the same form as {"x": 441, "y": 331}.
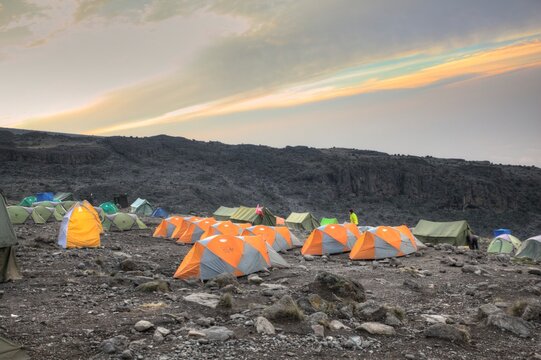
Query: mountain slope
{"x": 186, "y": 175}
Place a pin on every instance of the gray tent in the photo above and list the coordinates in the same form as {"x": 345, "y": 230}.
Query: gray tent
{"x": 8, "y": 263}
{"x": 530, "y": 249}
{"x": 11, "y": 351}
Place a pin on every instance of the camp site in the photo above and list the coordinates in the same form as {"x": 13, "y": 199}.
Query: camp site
{"x": 270, "y": 179}
{"x": 125, "y": 276}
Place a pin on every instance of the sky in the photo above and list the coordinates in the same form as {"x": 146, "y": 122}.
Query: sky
{"x": 453, "y": 79}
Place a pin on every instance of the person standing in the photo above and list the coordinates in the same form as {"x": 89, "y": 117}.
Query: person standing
{"x": 353, "y": 217}
{"x": 473, "y": 241}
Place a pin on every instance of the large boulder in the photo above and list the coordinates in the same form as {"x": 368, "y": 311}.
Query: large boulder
{"x": 509, "y": 323}
{"x": 225, "y": 279}
{"x": 284, "y": 309}
{"x": 332, "y": 287}
{"x": 447, "y": 332}
{"x": 154, "y": 285}
{"x": 218, "y": 333}
{"x": 370, "y": 311}
{"x": 376, "y": 328}
{"x": 205, "y": 299}
{"x": 264, "y": 326}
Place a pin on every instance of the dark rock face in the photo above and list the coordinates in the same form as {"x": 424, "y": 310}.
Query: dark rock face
{"x": 384, "y": 188}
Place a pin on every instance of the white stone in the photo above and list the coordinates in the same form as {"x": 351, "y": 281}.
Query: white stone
{"x": 376, "y": 328}
{"x": 205, "y": 299}
{"x": 264, "y": 326}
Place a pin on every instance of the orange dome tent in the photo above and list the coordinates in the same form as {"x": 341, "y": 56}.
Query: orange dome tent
{"x": 81, "y": 227}
{"x": 195, "y": 231}
{"x": 167, "y": 226}
{"x": 183, "y": 226}
{"x": 331, "y": 239}
{"x": 237, "y": 255}
{"x": 226, "y": 228}
{"x": 382, "y": 242}
{"x": 280, "y": 238}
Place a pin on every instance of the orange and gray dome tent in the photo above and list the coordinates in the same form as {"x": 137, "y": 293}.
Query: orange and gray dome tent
{"x": 195, "y": 231}
{"x": 181, "y": 228}
{"x": 81, "y": 227}
{"x": 382, "y": 242}
{"x": 331, "y": 239}
{"x": 226, "y": 228}
{"x": 168, "y": 225}
{"x": 279, "y": 237}
{"x": 237, "y": 255}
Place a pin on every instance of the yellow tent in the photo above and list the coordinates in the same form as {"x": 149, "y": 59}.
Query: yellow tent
{"x": 81, "y": 227}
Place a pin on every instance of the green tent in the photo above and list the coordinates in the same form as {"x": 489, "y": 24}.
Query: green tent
{"x": 249, "y": 215}
{"x": 504, "y": 244}
{"x": 123, "y": 222}
{"x": 22, "y": 215}
{"x": 224, "y": 213}
{"x": 63, "y": 208}
{"x": 63, "y": 196}
{"x": 451, "y": 232}
{"x": 109, "y": 208}
{"x": 327, "y": 221}
{"x": 141, "y": 207}
{"x": 302, "y": 221}
{"x": 11, "y": 351}
{"x": 530, "y": 249}
{"x": 46, "y": 213}
{"x": 46, "y": 203}
{"x": 9, "y": 270}
{"x": 28, "y": 201}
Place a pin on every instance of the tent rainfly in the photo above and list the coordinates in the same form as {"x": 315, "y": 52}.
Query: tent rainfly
{"x": 251, "y": 215}
{"x": 327, "y": 221}
{"x": 63, "y": 196}
{"x": 224, "y": 213}
{"x": 9, "y": 270}
{"x": 141, "y": 207}
{"x": 452, "y": 232}
{"x": 302, "y": 221}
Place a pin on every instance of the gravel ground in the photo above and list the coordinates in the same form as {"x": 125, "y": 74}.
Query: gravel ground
{"x": 70, "y": 301}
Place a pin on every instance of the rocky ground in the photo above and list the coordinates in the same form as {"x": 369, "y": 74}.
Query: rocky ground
{"x": 120, "y": 301}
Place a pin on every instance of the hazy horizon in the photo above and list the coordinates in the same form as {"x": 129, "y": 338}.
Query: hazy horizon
{"x": 426, "y": 78}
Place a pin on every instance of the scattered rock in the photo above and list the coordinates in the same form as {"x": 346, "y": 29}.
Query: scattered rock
{"x": 447, "y": 332}
{"x": 319, "y": 330}
{"x": 154, "y": 285}
{"x": 285, "y": 308}
{"x": 115, "y": 344}
{"x": 308, "y": 257}
{"x": 319, "y": 318}
{"x": 205, "y": 299}
{"x": 254, "y": 279}
{"x": 434, "y": 319}
{"x": 329, "y": 286}
{"x": 205, "y": 321}
{"x": 143, "y": 325}
{"x": 226, "y": 301}
{"x": 196, "y": 334}
{"x": 376, "y": 328}
{"x": 218, "y": 333}
{"x": 264, "y": 326}
{"x": 337, "y": 325}
{"x": 413, "y": 285}
{"x": 370, "y": 311}
{"x": 534, "y": 271}
{"x": 512, "y": 324}
{"x": 126, "y": 355}
{"x": 225, "y": 279}
{"x": 128, "y": 265}
{"x": 486, "y": 310}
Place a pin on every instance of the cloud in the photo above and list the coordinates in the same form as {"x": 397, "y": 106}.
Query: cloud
{"x": 291, "y": 44}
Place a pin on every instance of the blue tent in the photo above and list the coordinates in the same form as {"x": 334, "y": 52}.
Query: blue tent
{"x": 499, "y": 232}
{"x": 44, "y": 196}
{"x": 160, "y": 213}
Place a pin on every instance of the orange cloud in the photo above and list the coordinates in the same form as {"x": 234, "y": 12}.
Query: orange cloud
{"x": 479, "y": 64}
